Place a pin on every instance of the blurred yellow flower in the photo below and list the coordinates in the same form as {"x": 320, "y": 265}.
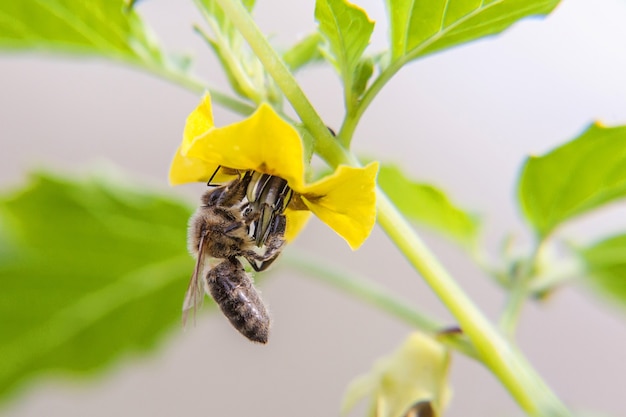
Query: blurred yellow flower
{"x": 264, "y": 142}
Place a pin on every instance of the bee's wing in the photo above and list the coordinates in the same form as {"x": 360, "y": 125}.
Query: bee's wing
{"x": 195, "y": 291}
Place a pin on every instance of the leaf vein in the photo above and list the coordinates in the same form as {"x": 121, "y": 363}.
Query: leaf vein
{"x": 493, "y": 22}
{"x": 65, "y": 15}
{"x": 344, "y": 49}
{"x": 407, "y": 29}
{"x": 444, "y": 14}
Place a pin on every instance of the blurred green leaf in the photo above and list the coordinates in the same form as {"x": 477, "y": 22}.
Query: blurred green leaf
{"x": 421, "y": 27}
{"x": 347, "y": 28}
{"x": 413, "y": 377}
{"x": 305, "y": 52}
{"x": 98, "y": 270}
{"x": 428, "y": 205}
{"x": 606, "y": 268}
{"x": 575, "y": 178}
{"x": 97, "y": 27}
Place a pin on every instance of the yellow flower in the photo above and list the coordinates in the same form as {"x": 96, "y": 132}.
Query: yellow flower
{"x": 264, "y": 142}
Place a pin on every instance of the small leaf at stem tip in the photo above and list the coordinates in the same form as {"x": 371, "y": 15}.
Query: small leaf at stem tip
{"x": 573, "y": 179}
{"x": 97, "y": 270}
{"x": 348, "y": 29}
{"x": 413, "y": 378}
{"x": 303, "y": 53}
{"x": 418, "y": 28}
{"x": 362, "y": 73}
{"x": 606, "y": 268}
{"x": 428, "y": 205}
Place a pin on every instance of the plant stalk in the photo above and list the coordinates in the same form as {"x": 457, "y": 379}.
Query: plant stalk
{"x": 354, "y": 115}
{"x": 496, "y": 353}
{"x": 506, "y": 363}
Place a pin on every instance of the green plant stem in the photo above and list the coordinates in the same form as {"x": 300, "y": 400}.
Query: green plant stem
{"x": 353, "y": 117}
{"x": 378, "y": 297}
{"x": 507, "y": 364}
{"x": 504, "y": 361}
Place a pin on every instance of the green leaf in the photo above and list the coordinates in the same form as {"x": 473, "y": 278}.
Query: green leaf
{"x": 96, "y": 27}
{"x": 304, "y": 52}
{"x": 575, "y": 178}
{"x": 420, "y": 27}
{"x": 98, "y": 270}
{"x": 606, "y": 268}
{"x": 428, "y": 205}
{"x": 347, "y": 28}
{"x": 412, "y": 378}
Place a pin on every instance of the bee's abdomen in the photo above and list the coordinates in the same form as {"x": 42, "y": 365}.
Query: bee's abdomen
{"x": 232, "y": 290}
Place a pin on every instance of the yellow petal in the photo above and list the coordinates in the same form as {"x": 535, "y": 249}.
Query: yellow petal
{"x": 346, "y": 201}
{"x": 296, "y": 220}
{"x": 263, "y": 142}
{"x": 198, "y": 122}
{"x": 184, "y": 170}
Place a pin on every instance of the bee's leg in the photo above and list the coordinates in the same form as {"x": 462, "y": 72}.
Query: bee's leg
{"x": 269, "y": 195}
{"x": 209, "y": 184}
{"x": 227, "y": 171}
{"x": 273, "y": 245}
{"x": 227, "y": 195}
{"x": 277, "y": 231}
{"x": 263, "y": 265}
{"x": 264, "y": 224}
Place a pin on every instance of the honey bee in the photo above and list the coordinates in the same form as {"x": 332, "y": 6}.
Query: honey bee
{"x": 240, "y": 219}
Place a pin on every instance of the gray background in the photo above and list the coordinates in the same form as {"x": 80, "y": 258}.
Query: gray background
{"x": 463, "y": 119}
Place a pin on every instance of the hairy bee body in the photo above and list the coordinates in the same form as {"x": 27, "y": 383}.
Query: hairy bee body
{"x": 241, "y": 219}
{"x": 232, "y": 290}
{"x": 224, "y": 230}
